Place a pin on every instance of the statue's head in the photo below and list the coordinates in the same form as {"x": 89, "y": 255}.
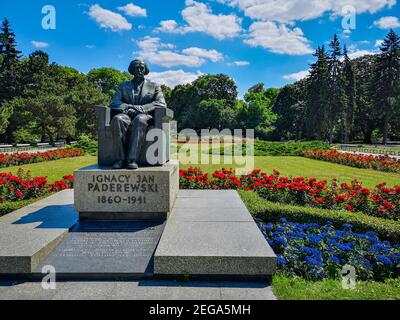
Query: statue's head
{"x": 138, "y": 68}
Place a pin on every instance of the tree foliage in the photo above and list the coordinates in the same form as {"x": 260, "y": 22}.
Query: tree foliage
{"x": 344, "y": 99}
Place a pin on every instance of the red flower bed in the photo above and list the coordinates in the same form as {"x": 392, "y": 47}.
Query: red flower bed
{"x": 382, "y": 163}
{"x": 23, "y": 186}
{"x": 17, "y": 159}
{"x": 381, "y": 202}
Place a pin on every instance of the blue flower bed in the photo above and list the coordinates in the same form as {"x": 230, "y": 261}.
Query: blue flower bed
{"x": 315, "y": 252}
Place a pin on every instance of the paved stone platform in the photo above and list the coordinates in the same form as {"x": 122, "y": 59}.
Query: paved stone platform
{"x": 28, "y": 235}
{"x": 137, "y": 290}
{"x": 211, "y": 233}
{"x": 106, "y": 249}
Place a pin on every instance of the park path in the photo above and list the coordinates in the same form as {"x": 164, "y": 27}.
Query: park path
{"x": 137, "y": 290}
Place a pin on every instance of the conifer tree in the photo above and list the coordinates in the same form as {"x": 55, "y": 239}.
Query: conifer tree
{"x": 386, "y": 81}
{"x": 317, "y": 96}
{"x": 349, "y": 88}
{"x": 336, "y": 96}
{"x": 10, "y": 85}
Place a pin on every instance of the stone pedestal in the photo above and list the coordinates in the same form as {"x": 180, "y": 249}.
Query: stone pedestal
{"x": 144, "y": 194}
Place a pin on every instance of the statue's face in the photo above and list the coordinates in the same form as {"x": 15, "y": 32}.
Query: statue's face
{"x": 139, "y": 70}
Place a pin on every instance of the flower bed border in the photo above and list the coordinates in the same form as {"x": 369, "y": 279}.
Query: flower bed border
{"x": 271, "y": 211}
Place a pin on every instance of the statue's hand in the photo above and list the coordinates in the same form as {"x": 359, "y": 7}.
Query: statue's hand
{"x": 131, "y": 113}
{"x": 138, "y": 109}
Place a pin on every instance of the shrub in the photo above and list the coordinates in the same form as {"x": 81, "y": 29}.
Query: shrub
{"x": 17, "y": 159}
{"x": 270, "y": 211}
{"x": 381, "y": 163}
{"x": 8, "y": 207}
{"x": 266, "y": 148}
{"x": 88, "y": 145}
{"x": 381, "y": 202}
{"x": 315, "y": 251}
{"x": 24, "y": 187}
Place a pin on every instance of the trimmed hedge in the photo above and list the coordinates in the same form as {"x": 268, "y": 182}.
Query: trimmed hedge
{"x": 8, "y": 207}
{"x": 267, "y": 148}
{"x": 271, "y": 211}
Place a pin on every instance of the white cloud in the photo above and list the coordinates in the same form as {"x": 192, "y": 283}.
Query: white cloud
{"x": 107, "y": 19}
{"x": 169, "y": 26}
{"x": 169, "y": 59}
{"x": 212, "y": 55}
{"x": 90, "y": 46}
{"x": 172, "y": 78}
{"x": 278, "y": 38}
{"x": 360, "y": 53}
{"x": 387, "y": 23}
{"x": 199, "y": 18}
{"x": 152, "y": 44}
{"x": 151, "y": 51}
{"x": 297, "y": 76}
{"x": 40, "y": 44}
{"x": 293, "y": 10}
{"x": 378, "y": 43}
{"x": 133, "y": 11}
{"x": 239, "y": 63}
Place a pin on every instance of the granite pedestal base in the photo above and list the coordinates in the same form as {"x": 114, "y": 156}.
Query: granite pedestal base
{"x": 144, "y": 194}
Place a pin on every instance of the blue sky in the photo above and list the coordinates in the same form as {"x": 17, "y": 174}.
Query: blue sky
{"x": 252, "y": 41}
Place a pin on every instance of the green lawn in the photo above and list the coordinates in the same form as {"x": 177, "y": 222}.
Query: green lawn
{"x": 299, "y": 166}
{"x": 55, "y": 170}
{"x": 299, "y": 289}
{"x": 288, "y": 166}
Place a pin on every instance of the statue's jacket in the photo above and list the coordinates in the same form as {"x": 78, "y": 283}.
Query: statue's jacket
{"x": 150, "y": 97}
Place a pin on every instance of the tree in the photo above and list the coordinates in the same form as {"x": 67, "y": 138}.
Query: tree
{"x": 219, "y": 86}
{"x": 259, "y": 87}
{"x": 290, "y": 107}
{"x": 317, "y": 97}
{"x": 349, "y": 87}
{"x": 335, "y": 99}
{"x": 257, "y": 112}
{"x": 9, "y": 74}
{"x": 167, "y": 93}
{"x": 83, "y": 95}
{"x": 207, "y": 87}
{"x": 181, "y": 99}
{"x": 41, "y": 109}
{"x": 108, "y": 79}
{"x": 386, "y": 80}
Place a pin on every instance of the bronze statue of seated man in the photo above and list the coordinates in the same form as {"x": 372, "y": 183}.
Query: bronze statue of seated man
{"x": 133, "y": 105}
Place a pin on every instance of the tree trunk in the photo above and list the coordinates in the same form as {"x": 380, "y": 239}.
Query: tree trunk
{"x": 385, "y": 129}
{"x": 368, "y": 136}
{"x": 345, "y": 132}
{"x": 330, "y": 136}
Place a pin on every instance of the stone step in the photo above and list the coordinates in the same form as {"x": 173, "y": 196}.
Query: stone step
{"x": 209, "y": 233}
{"x": 29, "y": 235}
{"x": 212, "y": 234}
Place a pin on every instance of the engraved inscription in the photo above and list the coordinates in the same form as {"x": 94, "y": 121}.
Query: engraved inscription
{"x": 115, "y": 183}
{"x": 112, "y": 245}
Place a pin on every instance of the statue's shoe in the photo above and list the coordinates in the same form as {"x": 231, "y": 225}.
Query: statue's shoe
{"x": 118, "y": 165}
{"x": 132, "y": 165}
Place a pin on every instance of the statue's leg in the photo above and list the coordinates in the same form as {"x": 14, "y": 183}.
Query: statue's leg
{"x": 119, "y": 127}
{"x": 137, "y": 136}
